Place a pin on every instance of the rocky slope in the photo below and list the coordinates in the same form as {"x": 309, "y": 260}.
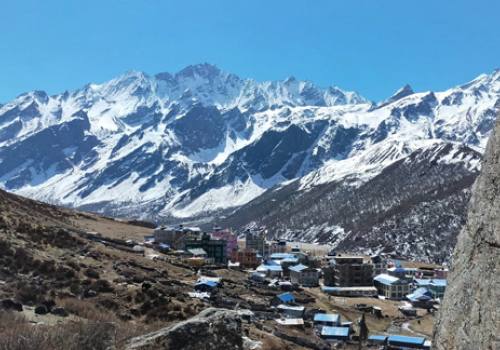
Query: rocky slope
{"x": 469, "y": 316}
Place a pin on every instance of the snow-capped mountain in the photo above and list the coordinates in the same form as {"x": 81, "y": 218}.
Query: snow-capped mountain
{"x": 202, "y": 142}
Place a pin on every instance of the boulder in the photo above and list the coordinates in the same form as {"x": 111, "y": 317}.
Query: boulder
{"x": 41, "y": 310}
{"x": 469, "y": 314}
{"x": 9, "y": 304}
{"x": 212, "y": 329}
{"x": 59, "y": 311}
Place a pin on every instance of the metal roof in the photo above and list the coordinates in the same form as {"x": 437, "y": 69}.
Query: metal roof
{"x": 290, "y": 321}
{"x": 420, "y": 294}
{"x": 278, "y": 256}
{"x": 288, "y": 307}
{"x": 276, "y": 268}
{"x": 386, "y": 279}
{"x": 197, "y": 251}
{"x": 400, "y": 339}
{"x": 286, "y": 297}
{"x": 377, "y": 338}
{"x": 298, "y": 268}
{"x": 211, "y": 284}
{"x": 326, "y": 318}
{"x": 335, "y": 331}
{"x": 432, "y": 282}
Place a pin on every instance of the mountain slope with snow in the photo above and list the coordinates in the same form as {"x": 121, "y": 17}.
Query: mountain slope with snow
{"x": 201, "y": 143}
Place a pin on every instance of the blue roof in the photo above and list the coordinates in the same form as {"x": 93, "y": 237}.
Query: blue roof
{"x": 406, "y": 340}
{"x": 335, "y": 331}
{"x": 377, "y": 338}
{"x": 286, "y": 297}
{"x": 326, "y": 318}
{"x": 432, "y": 282}
{"x": 420, "y": 294}
{"x": 211, "y": 284}
{"x": 276, "y": 268}
{"x": 298, "y": 268}
{"x": 279, "y": 256}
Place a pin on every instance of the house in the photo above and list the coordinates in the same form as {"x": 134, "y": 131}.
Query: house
{"x": 297, "y": 322}
{"x": 379, "y": 264}
{"x": 303, "y": 275}
{"x": 284, "y": 298}
{"x": 328, "y": 275}
{"x": 335, "y": 333}
{"x": 205, "y": 286}
{"x": 230, "y": 238}
{"x": 247, "y": 258}
{"x": 175, "y": 237}
{"x": 436, "y": 286}
{"x": 377, "y": 339}
{"x": 405, "y": 342}
{"x": 350, "y": 291}
{"x": 215, "y": 249}
{"x": 291, "y": 311}
{"x": 352, "y": 271}
{"x": 421, "y": 297}
{"x": 271, "y": 271}
{"x": 257, "y": 277}
{"x": 277, "y": 247}
{"x": 391, "y": 287}
{"x": 331, "y": 320}
{"x": 255, "y": 240}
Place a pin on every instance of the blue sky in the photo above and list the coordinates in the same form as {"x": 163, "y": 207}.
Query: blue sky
{"x": 372, "y": 46}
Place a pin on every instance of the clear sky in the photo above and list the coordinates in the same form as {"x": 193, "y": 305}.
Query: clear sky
{"x": 372, "y": 46}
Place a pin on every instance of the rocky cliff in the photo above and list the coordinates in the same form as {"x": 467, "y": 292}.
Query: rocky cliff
{"x": 469, "y": 313}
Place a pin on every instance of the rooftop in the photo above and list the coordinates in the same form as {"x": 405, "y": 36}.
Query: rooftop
{"x": 335, "y": 331}
{"x": 320, "y": 317}
{"x": 298, "y": 268}
{"x": 400, "y": 339}
{"x": 386, "y": 279}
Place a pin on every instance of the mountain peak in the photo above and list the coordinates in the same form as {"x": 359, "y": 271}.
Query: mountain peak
{"x": 205, "y": 70}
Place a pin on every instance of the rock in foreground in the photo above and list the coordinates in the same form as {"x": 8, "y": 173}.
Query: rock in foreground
{"x": 210, "y": 329}
{"x": 469, "y": 313}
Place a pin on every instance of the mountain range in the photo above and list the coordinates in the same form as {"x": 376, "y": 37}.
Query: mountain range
{"x": 206, "y": 146}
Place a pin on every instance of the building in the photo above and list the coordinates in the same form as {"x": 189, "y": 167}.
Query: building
{"x": 331, "y": 320}
{"x": 230, "y": 238}
{"x": 352, "y": 271}
{"x": 328, "y": 275}
{"x": 289, "y": 311}
{"x": 335, "y": 333}
{"x": 284, "y": 298}
{"x": 247, "y": 258}
{"x": 271, "y": 271}
{"x": 303, "y": 275}
{"x": 176, "y": 237}
{"x": 277, "y": 247}
{"x": 437, "y": 287}
{"x": 397, "y": 342}
{"x": 379, "y": 264}
{"x": 391, "y": 287}
{"x": 215, "y": 249}
{"x": 350, "y": 291}
{"x": 255, "y": 240}
{"x": 421, "y": 297}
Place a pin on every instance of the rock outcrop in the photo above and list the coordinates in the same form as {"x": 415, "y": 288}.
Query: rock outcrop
{"x": 469, "y": 314}
{"x": 211, "y": 329}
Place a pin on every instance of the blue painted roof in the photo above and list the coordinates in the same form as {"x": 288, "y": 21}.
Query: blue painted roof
{"x": 276, "y": 268}
{"x": 286, "y": 297}
{"x": 335, "y": 331}
{"x": 377, "y": 338}
{"x": 211, "y": 284}
{"x": 432, "y": 282}
{"x": 278, "y": 256}
{"x": 420, "y": 294}
{"x": 326, "y": 318}
{"x": 406, "y": 340}
{"x": 298, "y": 268}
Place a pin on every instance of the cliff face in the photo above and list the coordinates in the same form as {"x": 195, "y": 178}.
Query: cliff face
{"x": 469, "y": 314}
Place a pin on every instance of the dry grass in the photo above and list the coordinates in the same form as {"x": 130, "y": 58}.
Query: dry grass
{"x": 95, "y": 329}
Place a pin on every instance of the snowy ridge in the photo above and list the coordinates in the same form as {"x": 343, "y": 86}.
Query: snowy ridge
{"x": 203, "y": 141}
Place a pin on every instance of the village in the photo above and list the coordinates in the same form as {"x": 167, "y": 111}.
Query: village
{"x": 311, "y": 295}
